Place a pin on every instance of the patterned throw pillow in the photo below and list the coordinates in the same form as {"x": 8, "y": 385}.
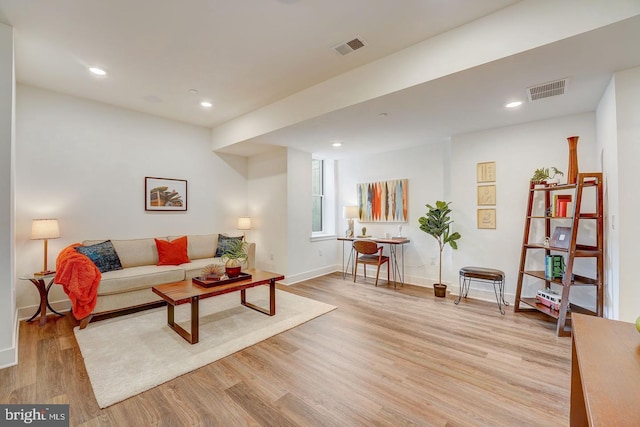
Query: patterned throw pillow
{"x": 103, "y": 255}
{"x": 224, "y": 243}
{"x": 172, "y": 253}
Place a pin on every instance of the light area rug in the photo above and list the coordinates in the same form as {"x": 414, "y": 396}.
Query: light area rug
{"x": 127, "y": 355}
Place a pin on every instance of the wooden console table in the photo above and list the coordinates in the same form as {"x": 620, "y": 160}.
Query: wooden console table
{"x": 605, "y": 372}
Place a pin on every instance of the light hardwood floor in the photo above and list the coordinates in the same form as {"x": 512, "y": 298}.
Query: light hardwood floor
{"x": 384, "y": 357}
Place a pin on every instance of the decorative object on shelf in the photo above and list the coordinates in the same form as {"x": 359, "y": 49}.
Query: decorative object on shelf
{"x": 486, "y": 172}
{"x": 234, "y": 256}
{"x": 437, "y": 223}
{"x": 165, "y": 194}
{"x": 399, "y": 231}
{"x": 487, "y": 219}
{"x": 543, "y": 176}
{"x": 549, "y": 298}
{"x": 572, "y": 170}
{"x": 364, "y": 231}
{"x": 546, "y": 242}
{"x": 561, "y": 238}
{"x": 486, "y": 195}
{"x": 244, "y": 223}
{"x": 44, "y": 229}
{"x": 212, "y": 270}
{"x": 350, "y": 213}
{"x": 383, "y": 201}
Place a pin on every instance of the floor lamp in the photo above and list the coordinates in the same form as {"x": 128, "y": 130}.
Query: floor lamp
{"x": 44, "y": 229}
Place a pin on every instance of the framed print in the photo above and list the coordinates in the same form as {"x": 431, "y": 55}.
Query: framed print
{"x": 486, "y": 172}
{"x": 487, "y": 218}
{"x": 486, "y": 195}
{"x": 383, "y": 201}
{"x": 165, "y": 194}
{"x": 561, "y": 238}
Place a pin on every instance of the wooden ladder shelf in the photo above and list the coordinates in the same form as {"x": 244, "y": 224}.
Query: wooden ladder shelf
{"x": 570, "y": 249}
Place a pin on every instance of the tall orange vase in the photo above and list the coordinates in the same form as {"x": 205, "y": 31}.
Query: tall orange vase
{"x": 572, "y": 172}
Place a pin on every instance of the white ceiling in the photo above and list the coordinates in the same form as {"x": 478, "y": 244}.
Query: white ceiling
{"x": 243, "y": 55}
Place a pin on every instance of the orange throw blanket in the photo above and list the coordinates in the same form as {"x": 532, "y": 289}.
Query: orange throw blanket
{"x": 79, "y": 277}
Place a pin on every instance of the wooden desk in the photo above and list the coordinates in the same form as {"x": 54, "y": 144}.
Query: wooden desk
{"x": 605, "y": 372}
{"x": 393, "y": 242}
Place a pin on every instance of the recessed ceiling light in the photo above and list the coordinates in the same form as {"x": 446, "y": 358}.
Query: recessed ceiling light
{"x": 98, "y": 71}
{"x": 514, "y": 104}
{"x": 337, "y": 144}
{"x": 206, "y": 104}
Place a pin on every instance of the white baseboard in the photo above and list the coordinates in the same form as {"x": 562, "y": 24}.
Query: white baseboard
{"x": 290, "y": 280}
{"x": 59, "y": 306}
{"x": 476, "y": 291}
{"x": 9, "y": 356}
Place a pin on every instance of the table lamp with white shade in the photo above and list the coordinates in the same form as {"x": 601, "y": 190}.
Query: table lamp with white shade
{"x": 244, "y": 223}
{"x": 350, "y": 213}
{"x": 44, "y": 229}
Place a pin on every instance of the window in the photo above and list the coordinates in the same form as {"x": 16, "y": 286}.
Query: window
{"x": 323, "y": 205}
{"x": 317, "y": 195}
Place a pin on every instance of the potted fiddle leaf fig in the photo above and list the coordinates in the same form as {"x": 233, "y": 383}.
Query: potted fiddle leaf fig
{"x": 234, "y": 256}
{"x": 437, "y": 223}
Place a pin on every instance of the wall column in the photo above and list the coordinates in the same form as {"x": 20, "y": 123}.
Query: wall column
{"x": 8, "y": 321}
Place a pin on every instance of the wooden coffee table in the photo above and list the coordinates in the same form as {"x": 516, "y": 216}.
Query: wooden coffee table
{"x": 189, "y": 292}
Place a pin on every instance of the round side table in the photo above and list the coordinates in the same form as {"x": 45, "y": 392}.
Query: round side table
{"x": 43, "y": 289}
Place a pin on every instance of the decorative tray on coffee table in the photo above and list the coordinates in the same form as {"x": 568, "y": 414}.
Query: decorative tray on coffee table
{"x": 208, "y": 282}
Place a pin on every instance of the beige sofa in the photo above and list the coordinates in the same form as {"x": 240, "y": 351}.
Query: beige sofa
{"x": 130, "y": 288}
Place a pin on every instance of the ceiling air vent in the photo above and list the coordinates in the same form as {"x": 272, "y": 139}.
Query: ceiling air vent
{"x": 348, "y": 47}
{"x": 547, "y": 90}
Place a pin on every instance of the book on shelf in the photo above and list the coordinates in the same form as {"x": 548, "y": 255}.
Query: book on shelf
{"x": 561, "y": 205}
{"x": 553, "y": 266}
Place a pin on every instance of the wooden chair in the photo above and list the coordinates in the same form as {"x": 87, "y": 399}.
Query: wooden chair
{"x": 369, "y": 253}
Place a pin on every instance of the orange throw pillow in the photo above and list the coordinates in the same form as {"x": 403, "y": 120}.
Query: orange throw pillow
{"x": 172, "y": 253}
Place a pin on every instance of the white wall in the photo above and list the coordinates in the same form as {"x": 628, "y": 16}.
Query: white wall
{"x": 307, "y": 258}
{"x": 607, "y": 147}
{"x": 424, "y": 168}
{"x": 84, "y": 163}
{"x": 279, "y": 200}
{"x": 8, "y": 349}
{"x": 447, "y": 171}
{"x": 627, "y": 87}
{"x": 267, "y": 199}
{"x": 517, "y": 151}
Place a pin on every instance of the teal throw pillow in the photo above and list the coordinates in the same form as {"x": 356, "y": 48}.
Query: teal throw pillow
{"x": 103, "y": 255}
{"x": 224, "y": 243}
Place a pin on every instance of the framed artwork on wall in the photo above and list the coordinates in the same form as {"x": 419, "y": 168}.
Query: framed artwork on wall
{"x": 487, "y": 218}
{"x": 383, "y": 201}
{"x": 486, "y": 172}
{"x": 486, "y": 195}
{"x": 165, "y": 194}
